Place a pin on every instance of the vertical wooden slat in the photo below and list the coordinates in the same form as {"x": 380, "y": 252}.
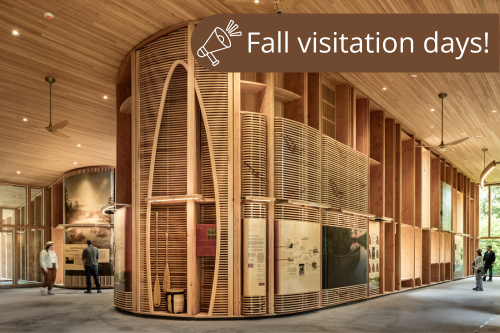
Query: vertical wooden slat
{"x": 398, "y": 217}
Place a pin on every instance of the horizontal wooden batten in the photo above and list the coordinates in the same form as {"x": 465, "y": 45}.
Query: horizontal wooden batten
{"x": 258, "y": 199}
{"x": 302, "y": 203}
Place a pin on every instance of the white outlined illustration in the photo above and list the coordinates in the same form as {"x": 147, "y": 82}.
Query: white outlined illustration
{"x": 219, "y": 40}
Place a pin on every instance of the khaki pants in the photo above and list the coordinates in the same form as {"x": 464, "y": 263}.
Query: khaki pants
{"x": 50, "y": 277}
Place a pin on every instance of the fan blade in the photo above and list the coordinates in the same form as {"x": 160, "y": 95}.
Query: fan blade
{"x": 252, "y": 5}
{"x": 59, "y": 134}
{"x": 59, "y": 125}
{"x": 456, "y": 142}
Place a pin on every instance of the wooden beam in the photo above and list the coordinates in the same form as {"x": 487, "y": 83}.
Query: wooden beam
{"x": 390, "y": 204}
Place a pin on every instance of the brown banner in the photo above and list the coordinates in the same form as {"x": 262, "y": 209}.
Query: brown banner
{"x": 348, "y": 43}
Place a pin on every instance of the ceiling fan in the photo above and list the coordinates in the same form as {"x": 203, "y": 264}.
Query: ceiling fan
{"x": 60, "y": 125}
{"x": 442, "y": 146}
{"x": 277, "y": 7}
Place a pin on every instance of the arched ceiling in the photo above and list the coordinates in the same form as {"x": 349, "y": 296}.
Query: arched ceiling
{"x": 84, "y": 45}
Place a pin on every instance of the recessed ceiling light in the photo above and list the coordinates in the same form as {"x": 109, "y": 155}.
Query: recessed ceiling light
{"x": 25, "y": 119}
{"x": 19, "y": 172}
{"x": 432, "y": 109}
{"x": 413, "y": 76}
{"x": 15, "y": 32}
{"x": 384, "y": 88}
{"x": 105, "y": 97}
{"x": 79, "y": 145}
{"x": 463, "y": 133}
{"x": 494, "y": 111}
{"x": 256, "y": 1}
{"x": 49, "y": 16}
{"x": 479, "y": 136}
{"x": 75, "y": 163}
{"x": 432, "y": 126}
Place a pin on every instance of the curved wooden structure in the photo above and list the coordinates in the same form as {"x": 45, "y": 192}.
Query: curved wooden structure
{"x": 252, "y": 154}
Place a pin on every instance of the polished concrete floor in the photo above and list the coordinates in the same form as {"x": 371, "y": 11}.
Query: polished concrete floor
{"x": 447, "y": 307}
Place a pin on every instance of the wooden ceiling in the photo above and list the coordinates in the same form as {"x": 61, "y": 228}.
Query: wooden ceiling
{"x": 84, "y": 45}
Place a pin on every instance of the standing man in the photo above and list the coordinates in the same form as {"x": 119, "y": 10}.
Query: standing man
{"x": 489, "y": 261}
{"x": 90, "y": 258}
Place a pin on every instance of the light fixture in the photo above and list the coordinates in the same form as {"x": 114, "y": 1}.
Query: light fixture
{"x": 486, "y": 171}
{"x": 75, "y": 163}
{"x": 105, "y": 97}
{"x": 463, "y": 133}
{"x": 19, "y": 172}
{"x": 432, "y": 126}
{"x": 384, "y": 88}
{"x": 15, "y": 32}
{"x": 494, "y": 111}
{"x": 432, "y": 110}
{"x": 79, "y": 145}
{"x": 25, "y": 119}
{"x": 49, "y": 16}
{"x": 413, "y": 76}
{"x": 479, "y": 136}
{"x": 256, "y": 1}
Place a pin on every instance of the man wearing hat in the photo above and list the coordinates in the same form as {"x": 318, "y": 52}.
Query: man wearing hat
{"x": 489, "y": 261}
{"x": 49, "y": 265}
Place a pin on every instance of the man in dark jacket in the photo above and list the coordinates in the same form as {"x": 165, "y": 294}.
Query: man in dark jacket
{"x": 489, "y": 261}
{"x": 90, "y": 258}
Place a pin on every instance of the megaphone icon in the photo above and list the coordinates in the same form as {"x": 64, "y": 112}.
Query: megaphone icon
{"x": 218, "y": 41}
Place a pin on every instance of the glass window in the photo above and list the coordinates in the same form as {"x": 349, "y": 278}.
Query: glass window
{"x": 483, "y": 211}
{"x": 495, "y": 211}
{"x": 6, "y": 256}
{"x": 30, "y": 243}
{"x": 36, "y": 218}
{"x": 495, "y": 244}
{"x": 13, "y": 204}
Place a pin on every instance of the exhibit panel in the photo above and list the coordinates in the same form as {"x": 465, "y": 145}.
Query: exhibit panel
{"x": 374, "y": 258}
{"x": 87, "y": 193}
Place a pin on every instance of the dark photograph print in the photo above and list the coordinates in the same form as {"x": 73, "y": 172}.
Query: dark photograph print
{"x": 344, "y": 257}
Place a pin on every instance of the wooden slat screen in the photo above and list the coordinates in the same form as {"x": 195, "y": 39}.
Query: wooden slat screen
{"x": 345, "y": 176}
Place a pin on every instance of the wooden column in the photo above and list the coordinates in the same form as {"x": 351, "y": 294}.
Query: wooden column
{"x": 267, "y": 108}
{"x": 135, "y": 123}
{"x": 390, "y": 204}
{"x": 237, "y": 196}
{"x": 398, "y": 206}
{"x": 192, "y": 209}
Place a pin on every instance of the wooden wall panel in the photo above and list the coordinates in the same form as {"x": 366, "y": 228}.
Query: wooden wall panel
{"x": 343, "y": 107}
{"x": 435, "y": 192}
{"x": 377, "y": 172}
{"x": 363, "y": 126}
{"x": 123, "y": 174}
{"x": 408, "y": 176}
{"x": 297, "y": 110}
